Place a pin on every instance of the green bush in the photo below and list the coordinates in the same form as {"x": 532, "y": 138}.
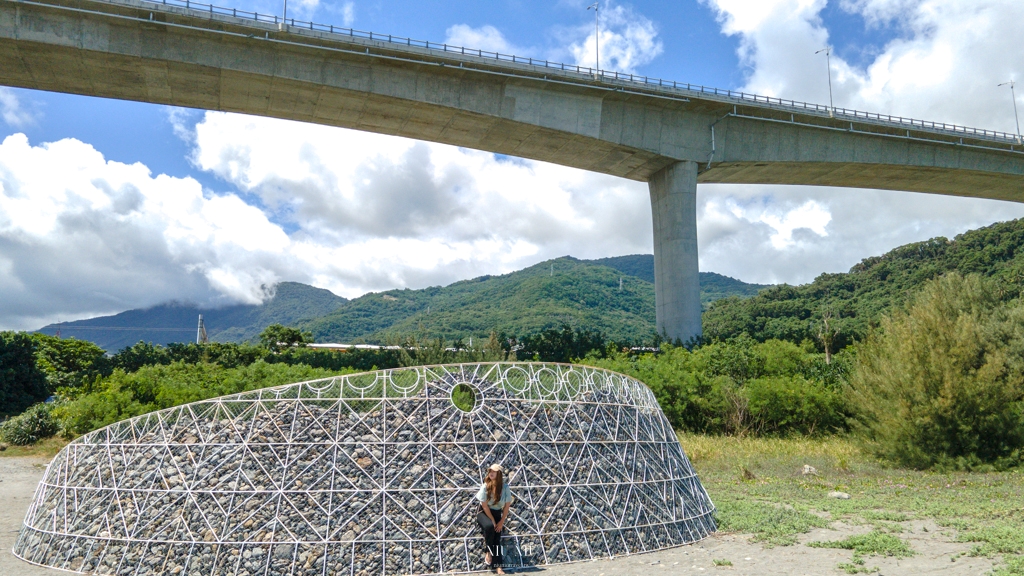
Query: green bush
{"x": 942, "y": 382}
{"x": 29, "y": 427}
{"x": 787, "y": 405}
{"x": 741, "y": 386}
{"x": 124, "y": 395}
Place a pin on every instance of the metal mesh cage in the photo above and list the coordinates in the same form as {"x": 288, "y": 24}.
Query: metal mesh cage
{"x": 372, "y": 473}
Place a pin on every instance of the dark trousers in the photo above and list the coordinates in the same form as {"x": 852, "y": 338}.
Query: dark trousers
{"x": 491, "y": 538}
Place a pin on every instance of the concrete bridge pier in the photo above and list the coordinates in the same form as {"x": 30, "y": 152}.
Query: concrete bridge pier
{"x": 676, "y": 284}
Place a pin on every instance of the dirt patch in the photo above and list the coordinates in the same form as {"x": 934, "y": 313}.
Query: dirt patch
{"x": 19, "y": 476}
{"x": 936, "y": 552}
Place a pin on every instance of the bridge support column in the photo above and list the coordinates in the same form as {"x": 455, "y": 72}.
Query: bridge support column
{"x": 676, "y": 284}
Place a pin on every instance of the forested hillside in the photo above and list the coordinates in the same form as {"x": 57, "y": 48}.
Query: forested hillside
{"x": 712, "y": 286}
{"x": 855, "y": 300}
{"x": 581, "y": 293}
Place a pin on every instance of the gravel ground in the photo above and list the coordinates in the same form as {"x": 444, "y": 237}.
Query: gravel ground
{"x": 934, "y": 547}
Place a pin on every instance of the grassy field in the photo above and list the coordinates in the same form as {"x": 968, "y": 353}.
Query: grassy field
{"x": 744, "y": 474}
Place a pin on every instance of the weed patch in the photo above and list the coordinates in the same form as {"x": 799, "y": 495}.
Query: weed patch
{"x": 1014, "y": 566}
{"x": 771, "y": 524}
{"x": 857, "y": 566}
{"x": 873, "y": 543}
{"x": 885, "y": 516}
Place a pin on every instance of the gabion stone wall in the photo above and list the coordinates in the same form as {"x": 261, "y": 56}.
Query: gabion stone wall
{"x": 372, "y": 473}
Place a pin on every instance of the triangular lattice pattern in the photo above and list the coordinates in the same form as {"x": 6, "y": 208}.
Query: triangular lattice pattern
{"x": 372, "y": 473}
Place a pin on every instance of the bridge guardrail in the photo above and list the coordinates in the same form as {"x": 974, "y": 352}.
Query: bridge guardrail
{"x": 604, "y": 76}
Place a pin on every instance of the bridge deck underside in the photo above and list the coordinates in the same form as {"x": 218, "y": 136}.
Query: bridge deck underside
{"x": 187, "y": 84}
{"x": 969, "y": 183}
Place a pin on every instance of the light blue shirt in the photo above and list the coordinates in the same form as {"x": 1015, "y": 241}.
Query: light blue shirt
{"x": 506, "y": 496}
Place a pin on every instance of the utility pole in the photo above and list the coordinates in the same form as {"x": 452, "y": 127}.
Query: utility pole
{"x": 828, "y": 62}
{"x": 597, "y": 38}
{"x": 201, "y": 332}
{"x": 1013, "y": 95}
{"x": 284, "y": 18}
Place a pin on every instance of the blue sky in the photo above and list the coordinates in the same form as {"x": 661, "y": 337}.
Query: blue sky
{"x": 108, "y": 205}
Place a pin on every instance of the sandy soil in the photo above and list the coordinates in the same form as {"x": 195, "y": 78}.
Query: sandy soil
{"x": 934, "y": 547}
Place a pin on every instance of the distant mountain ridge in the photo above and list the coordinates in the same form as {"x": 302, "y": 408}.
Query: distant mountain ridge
{"x": 583, "y": 293}
{"x": 712, "y": 286}
{"x": 566, "y": 290}
{"x": 291, "y": 304}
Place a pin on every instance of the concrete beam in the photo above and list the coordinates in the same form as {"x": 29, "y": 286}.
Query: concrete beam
{"x": 676, "y": 283}
{"x": 170, "y": 55}
{"x": 761, "y": 150}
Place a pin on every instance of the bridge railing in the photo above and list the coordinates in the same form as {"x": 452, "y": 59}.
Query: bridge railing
{"x": 622, "y": 79}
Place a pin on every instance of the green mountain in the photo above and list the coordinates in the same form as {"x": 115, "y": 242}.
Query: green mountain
{"x": 581, "y": 293}
{"x": 856, "y": 299}
{"x": 291, "y": 304}
{"x": 712, "y": 286}
{"x": 584, "y": 293}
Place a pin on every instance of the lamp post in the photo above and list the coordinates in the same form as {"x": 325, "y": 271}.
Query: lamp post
{"x": 284, "y": 18}
{"x": 1013, "y": 95}
{"x": 597, "y": 38}
{"x": 828, "y": 62}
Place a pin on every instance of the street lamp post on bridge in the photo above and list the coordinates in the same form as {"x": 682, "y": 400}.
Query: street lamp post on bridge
{"x": 1013, "y": 95}
{"x": 597, "y": 38}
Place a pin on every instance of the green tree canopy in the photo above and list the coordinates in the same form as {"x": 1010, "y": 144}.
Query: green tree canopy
{"x": 275, "y": 337}
{"x": 22, "y": 381}
{"x": 70, "y": 363}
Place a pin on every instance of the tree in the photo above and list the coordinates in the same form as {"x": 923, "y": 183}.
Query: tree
{"x": 943, "y": 382}
{"x": 275, "y": 337}
{"x": 828, "y": 332}
{"x": 22, "y": 381}
{"x": 132, "y": 358}
{"x": 70, "y": 363}
{"x": 562, "y": 345}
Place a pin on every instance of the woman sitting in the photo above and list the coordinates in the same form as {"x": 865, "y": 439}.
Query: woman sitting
{"x": 495, "y": 499}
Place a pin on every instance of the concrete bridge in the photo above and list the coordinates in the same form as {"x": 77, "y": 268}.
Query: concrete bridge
{"x": 668, "y": 134}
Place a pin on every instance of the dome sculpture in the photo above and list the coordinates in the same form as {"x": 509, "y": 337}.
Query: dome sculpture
{"x": 372, "y": 473}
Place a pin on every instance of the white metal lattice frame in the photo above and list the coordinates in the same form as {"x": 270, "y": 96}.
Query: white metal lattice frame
{"x": 372, "y": 473}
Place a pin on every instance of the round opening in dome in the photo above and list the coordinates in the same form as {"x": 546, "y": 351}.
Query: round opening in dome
{"x": 465, "y": 397}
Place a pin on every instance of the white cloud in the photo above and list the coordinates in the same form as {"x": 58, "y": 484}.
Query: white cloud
{"x": 12, "y": 110}
{"x": 425, "y": 213}
{"x": 944, "y": 65}
{"x": 628, "y": 40}
{"x": 99, "y": 236}
{"x": 487, "y": 38}
{"x": 348, "y": 13}
{"x": 182, "y": 121}
{"x": 772, "y": 234}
